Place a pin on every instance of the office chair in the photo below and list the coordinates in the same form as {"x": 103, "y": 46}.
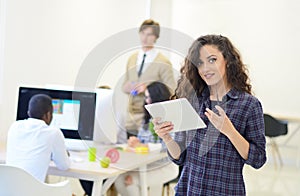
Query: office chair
{"x": 175, "y": 180}
{"x": 15, "y": 181}
{"x": 275, "y": 128}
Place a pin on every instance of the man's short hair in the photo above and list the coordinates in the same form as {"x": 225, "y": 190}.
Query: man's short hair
{"x": 39, "y": 105}
{"x": 151, "y": 23}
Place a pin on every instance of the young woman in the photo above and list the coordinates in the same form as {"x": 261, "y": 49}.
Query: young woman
{"x": 215, "y": 82}
{"x": 158, "y": 172}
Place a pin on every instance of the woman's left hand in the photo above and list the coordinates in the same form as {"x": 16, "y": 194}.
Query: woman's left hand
{"x": 220, "y": 121}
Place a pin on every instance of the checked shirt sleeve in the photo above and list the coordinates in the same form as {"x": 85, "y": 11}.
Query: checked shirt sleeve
{"x": 255, "y": 135}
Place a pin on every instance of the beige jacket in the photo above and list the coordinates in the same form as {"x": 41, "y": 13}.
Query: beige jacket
{"x": 159, "y": 70}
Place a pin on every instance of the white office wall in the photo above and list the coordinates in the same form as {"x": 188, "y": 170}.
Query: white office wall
{"x": 161, "y": 11}
{"x": 2, "y": 37}
{"x": 46, "y": 41}
{"x": 267, "y": 35}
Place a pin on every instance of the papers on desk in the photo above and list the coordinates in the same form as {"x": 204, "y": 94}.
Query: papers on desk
{"x": 153, "y": 147}
{"x": 179, "y": 111}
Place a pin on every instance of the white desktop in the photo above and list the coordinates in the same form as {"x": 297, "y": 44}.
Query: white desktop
{"x": 106, "y": 118}
{"x": 106, "y": 123}
{"x": 73, "y": 113}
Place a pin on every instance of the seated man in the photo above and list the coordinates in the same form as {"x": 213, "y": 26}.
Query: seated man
{"x": 32, "y": 143}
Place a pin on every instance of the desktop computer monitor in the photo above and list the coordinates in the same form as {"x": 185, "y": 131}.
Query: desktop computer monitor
{"x": 73, "y": 111}
{"x": 107, "y": 119}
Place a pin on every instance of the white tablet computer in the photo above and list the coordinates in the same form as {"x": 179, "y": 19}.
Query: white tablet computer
{"x": 179, "y": 111}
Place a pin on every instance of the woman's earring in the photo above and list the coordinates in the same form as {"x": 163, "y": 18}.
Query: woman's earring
{"x": 227, "y": 65}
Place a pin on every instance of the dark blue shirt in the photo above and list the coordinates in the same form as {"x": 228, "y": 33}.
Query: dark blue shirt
{"x": 211, "y": 164}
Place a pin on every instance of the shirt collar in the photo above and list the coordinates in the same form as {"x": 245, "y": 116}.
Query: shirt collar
{"x": 149, "y": 52}
{"x": 232, "y": 94}
{"x": 35, "y": 120}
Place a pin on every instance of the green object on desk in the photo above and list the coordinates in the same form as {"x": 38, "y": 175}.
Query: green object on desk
{"x": 92, "y": 154}
{"x": 119, "y": 148}
{"x": 151, "y": 128}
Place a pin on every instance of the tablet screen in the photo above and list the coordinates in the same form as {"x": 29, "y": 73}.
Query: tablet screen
{"x": 179, "y": 111}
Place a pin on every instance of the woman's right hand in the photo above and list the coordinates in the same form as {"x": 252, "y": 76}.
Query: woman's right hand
{"x": 163, "y": 129}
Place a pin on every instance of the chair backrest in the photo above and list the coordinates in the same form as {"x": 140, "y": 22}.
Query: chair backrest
{"x": 274, "y": 127}
{"x": 15, "y": 181}
{"x": 175, "y": 180}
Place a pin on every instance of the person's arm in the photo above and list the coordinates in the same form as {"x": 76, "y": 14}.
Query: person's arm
{"x": 133, "y": 142}
{"x": 59, "y": 153}
{"x": 139, "y": 87}
{"x": 127, "y": 85}
{"x": 255, "y": 135}
{"x": 163, "y": 131}
{"x": 225, "y": 126}
{"x": 252, "y": 146}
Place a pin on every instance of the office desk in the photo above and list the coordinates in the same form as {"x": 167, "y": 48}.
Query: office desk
{"x": 83, "y": 169}
{"x": 86, "y": 170}
{"x": 130, "y": 161}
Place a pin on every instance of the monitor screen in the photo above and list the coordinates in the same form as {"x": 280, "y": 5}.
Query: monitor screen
{"x": 73, "y": 111}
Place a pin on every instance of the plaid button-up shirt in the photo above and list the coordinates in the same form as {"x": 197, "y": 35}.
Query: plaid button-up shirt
{"x": 211, "y": 164}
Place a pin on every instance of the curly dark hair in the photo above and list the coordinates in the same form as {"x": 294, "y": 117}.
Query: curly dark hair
{"x": 190, "y": 81}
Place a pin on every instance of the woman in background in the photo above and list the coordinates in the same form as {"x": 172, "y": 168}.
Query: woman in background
{"x": 158, "y": 172}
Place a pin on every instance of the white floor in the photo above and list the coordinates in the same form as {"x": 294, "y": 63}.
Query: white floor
{"x": 269, "y": 180}
{"x": 266, "y": 181}
{"x": 275, "y": 180}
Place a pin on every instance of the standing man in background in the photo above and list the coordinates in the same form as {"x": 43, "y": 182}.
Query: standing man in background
{"x": 143, "y": 67}
{"x": 32, "y": 143}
